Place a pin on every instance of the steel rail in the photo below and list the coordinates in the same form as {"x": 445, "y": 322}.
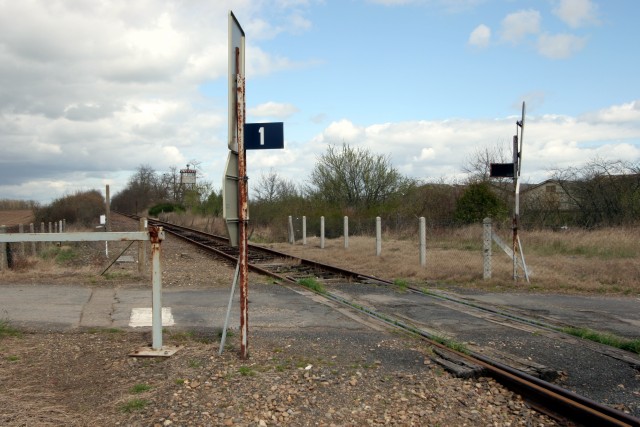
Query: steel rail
{"x": 545, "y": 397}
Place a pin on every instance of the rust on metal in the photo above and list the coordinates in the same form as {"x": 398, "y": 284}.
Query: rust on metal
{"x": 243, "y": 249}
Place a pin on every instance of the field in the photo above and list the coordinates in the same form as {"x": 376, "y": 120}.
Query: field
{"x": 15, "y": 217}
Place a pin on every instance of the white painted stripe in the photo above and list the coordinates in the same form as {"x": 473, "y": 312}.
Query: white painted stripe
{"x": 143, "y": 317}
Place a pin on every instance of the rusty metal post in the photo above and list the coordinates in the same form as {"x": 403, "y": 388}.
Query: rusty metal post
{"x": 156, "y": 235}
{"x": 243, "y": 213}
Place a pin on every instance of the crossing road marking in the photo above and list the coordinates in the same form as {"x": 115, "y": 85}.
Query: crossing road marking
{"x": 142, "y": 317}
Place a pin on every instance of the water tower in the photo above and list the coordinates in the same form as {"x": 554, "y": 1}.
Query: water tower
{"x": 188, "y": 178}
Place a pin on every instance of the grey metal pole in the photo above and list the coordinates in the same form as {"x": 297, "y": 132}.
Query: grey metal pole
{"x": 226, "y": 319}
{"x": 142, "y": 247}
{"x": 321, "y": 232}
{"x": 156, "y": 234}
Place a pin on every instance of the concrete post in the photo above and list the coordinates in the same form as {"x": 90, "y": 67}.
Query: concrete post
{"x": 486, "y": 248}
{"x": 32, "y": 230}
{"x": 304, "y": 230}
{"x": 64, "y": 224}
{"x": 292, "y": 238}
{"x": 142, "y": 247}
{"x": 107, "y": 208}
{"x": 321, "y": 232}
{"x": 60, "y": 230}
{"x": 4, "y": 261}
{"x": 21, "y": 231}
{"x": 378, "y": 236}
{"x": 423, "y": 242}
{"x": 346, "y": 232}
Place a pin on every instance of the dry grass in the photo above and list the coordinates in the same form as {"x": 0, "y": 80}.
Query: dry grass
{"x": 604, "y": 261}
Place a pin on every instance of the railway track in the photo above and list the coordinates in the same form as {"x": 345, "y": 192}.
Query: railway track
{"x": 380, "y": 299}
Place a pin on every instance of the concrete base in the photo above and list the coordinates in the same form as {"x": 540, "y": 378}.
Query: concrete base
{"x": 165, "y": 351}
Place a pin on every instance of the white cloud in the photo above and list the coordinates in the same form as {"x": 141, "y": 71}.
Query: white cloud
{"x": 560, "y": 46}
{"x": 273, "y": 109}
{"x": 432, "y": 150}
{"x": 480, "y": 36}
{"x": 516, "y": 26}
{"x": 576, "y": 13}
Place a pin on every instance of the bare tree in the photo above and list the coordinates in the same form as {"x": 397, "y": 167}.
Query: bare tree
{"x": 354, "y": 178}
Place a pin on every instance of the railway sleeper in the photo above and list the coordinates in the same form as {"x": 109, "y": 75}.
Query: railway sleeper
{"x": 456, "y": 365}
{"x": 530, "y": 367}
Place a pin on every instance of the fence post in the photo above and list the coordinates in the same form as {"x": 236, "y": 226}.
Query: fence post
{"x": 21, "y": 231}
{"x": 4, "y": 262}
{"x": 346, "y": 232}
{"x": 486, "y": 248}
{"x": 292, "y": 238}
{"x": 32, "y": 230}
{"x": 423, "y": 242}
{"x": 304, "y": 230}
{"x": 321, "y": 232}
{"x": 378, "y": 236}
{"x": 142, "y": 247}
{"x": 43, "y": 229}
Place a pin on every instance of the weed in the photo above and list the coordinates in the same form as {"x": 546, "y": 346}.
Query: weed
{"x": 313, "y": 284}
{"x": 195, "y": 363}
{"x": 6, "y": 330}
{"x": 450, "y": 343}
{"x": 401, "y": 284}
{"x": 13, "y": 358}
{"x": 134, "y": 405}
{"x": 246, "y": 371}
{"x": 179, "y": 381}
{"x": 140, "y": 388}
{"x": 605, "y": 338}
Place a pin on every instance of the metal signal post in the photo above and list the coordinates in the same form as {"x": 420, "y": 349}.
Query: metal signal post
{"x": 517, "y": 163}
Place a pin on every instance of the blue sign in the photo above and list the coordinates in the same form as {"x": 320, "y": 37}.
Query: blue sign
{"x": 263, "y": 136}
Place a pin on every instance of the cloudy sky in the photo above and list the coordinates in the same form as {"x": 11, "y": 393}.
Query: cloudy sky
{"x": 90, "y": 90}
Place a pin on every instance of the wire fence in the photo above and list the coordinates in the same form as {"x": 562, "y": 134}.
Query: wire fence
{"x": 604, "y": 260}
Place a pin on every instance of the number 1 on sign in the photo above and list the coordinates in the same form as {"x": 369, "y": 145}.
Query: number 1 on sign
{"x": 261, "y": 131}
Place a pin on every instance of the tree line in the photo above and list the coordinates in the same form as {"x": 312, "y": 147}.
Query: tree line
{"x": 363, "y": 185}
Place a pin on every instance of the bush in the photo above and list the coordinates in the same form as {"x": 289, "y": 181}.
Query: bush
{"x": 83, "y": 207}
{"x": 165, "y": 208}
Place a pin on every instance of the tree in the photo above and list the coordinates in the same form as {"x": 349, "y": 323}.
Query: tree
{"x": 354, "y": 178}
{"x": 272, "y": 187}
{"x": 478, "y": 202}
{"x": 606, "y": 192}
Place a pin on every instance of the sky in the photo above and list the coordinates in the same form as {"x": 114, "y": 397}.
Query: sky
{"x": 92, "y": 90}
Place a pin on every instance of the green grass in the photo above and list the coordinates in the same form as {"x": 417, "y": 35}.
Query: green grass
{"x": 140, "y": 388}
{"x": 195, "y": 363}
{"x": 6, "y": 330}
{"x": 134, "y": 405}
{"x": 450, "y": 343}
{"x": 313, "y": 284}
{"x": 401, "y": 284}
{"x": 605, "y": 338}
{"x": 179, "y": 381}
{"x": 246, "y": 371}
{"x": 12, "y": 358}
